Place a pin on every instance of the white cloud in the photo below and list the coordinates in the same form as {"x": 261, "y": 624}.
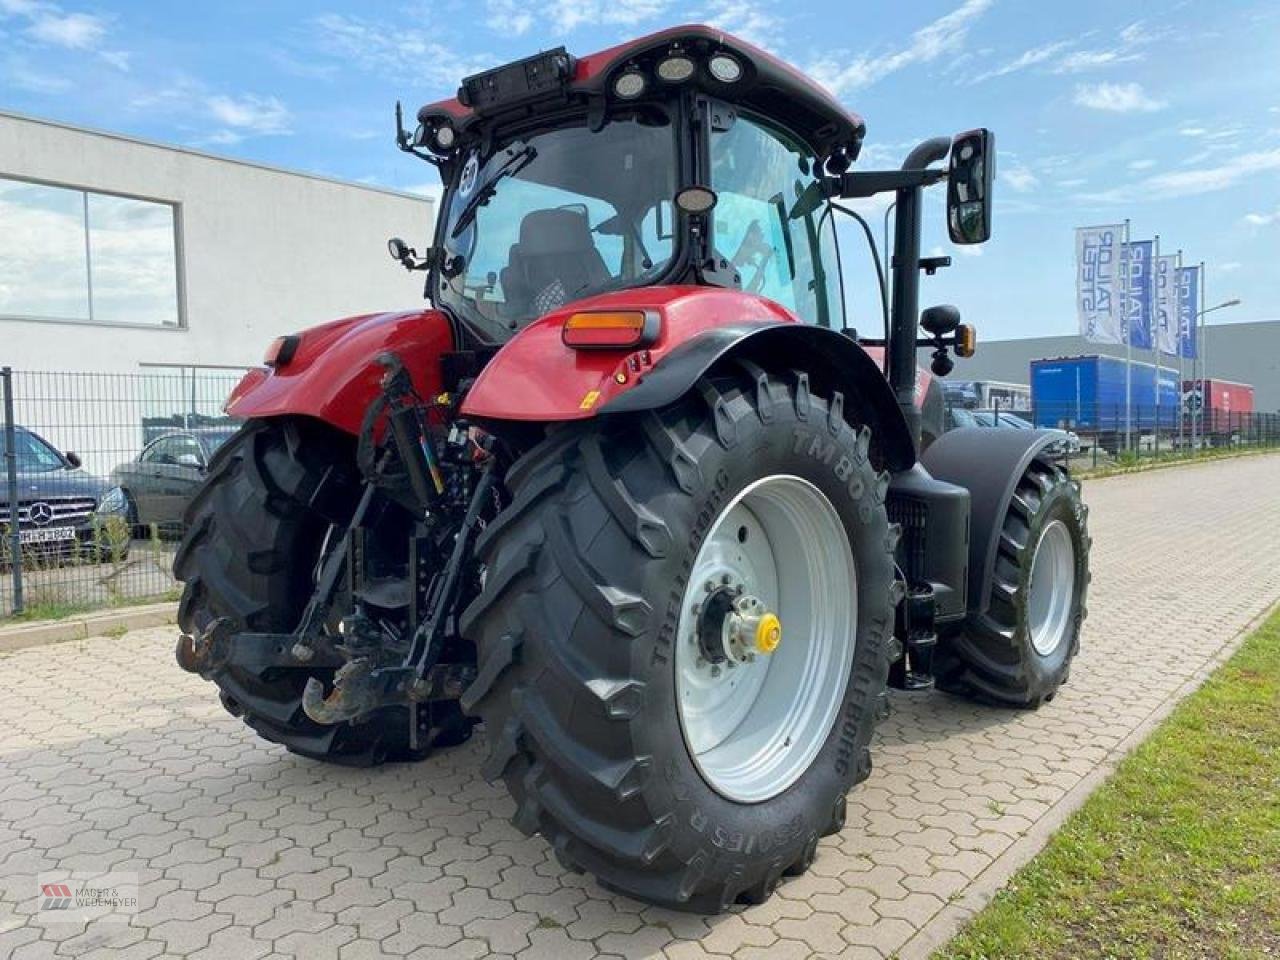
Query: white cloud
{"x": 1141, "y": 164}
{"x": 1116, "y": 98}
{"x": 1083, "y": 61}
{"x": 514, "y": 16}
{"x": 406, "y": 53}
{"x": 1020, "y": 179}
{"x": 746, "y": 19}
{"x": 249, "y": 114}
{"x": 1132, "y": 37}
{"x": 1030, "y": 58}
{"x": 843, "y": 75}
{"x": 1224, "y": 174}
{"x": 1263, "y": 219}
{"x": 50, "y": 24}
{"x": 120, "y": 59}
{"x": 75, "y": 31}
{"x": 1231, "y": 266}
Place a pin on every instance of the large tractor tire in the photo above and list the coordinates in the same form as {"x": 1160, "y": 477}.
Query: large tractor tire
{"x": 1019, "y": 652}
{"x": 255, "y": 532}
{"x": 630, "y": 701}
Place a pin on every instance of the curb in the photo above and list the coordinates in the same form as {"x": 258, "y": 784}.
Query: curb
{"x": 39, "y": 632}
{"x": 939, "y": 930}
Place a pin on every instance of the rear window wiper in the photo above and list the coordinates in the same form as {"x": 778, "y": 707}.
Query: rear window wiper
{"x": 518, "y": 159}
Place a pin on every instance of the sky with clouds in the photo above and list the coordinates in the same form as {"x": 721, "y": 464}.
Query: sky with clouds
{"x": 1166, "y": 112}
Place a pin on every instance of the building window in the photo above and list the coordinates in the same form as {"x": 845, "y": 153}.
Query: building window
{"x": 69, "y": 254}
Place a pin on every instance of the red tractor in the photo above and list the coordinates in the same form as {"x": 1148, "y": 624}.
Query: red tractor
{"x": 632, "y": 492}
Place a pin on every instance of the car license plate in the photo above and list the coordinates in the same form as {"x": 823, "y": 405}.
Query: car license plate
{"x": 47, "y": 534}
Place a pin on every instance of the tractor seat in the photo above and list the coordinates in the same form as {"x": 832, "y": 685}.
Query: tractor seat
{"x": 553, "y": 261}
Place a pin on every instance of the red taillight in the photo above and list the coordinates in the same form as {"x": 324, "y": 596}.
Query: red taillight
{"x": 281, "y": 350}
{"x": 610, "y": 330}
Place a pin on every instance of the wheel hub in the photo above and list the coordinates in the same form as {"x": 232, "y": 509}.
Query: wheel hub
{"x": 734, "y": 627}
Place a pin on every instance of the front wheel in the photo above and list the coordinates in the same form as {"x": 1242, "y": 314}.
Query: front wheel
{"x": 684, "y": 638}
{"x": 1019, "y": 651}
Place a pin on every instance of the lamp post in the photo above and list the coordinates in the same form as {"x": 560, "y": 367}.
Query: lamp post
{"x": 1204, "y": 358}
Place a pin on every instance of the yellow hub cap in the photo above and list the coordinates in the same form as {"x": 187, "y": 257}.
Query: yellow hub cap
{"x": 768, "y": 633}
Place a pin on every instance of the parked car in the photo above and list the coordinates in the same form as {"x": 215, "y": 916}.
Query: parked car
{"x": 1068, "y": 446}
{"x": 62, "y": 508}
{"x": 156, "y": 486}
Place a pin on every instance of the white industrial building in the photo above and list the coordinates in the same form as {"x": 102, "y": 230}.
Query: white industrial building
{"x": 116, "y": 253}
{"x": 119, "y": 256}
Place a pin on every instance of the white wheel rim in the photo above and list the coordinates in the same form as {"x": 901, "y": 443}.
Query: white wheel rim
{"x": 1053, "y": 581}
{"x": 753, "y": 729}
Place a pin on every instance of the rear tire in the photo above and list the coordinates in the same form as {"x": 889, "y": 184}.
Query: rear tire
{"x": 579, "y": 633}
{"x": 1019, "y": 652}
{"x": 254, "y": 534}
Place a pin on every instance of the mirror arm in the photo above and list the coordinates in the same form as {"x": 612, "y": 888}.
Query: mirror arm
{"x": 868, "y": 183}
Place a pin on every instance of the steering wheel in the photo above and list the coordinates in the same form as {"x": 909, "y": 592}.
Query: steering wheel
{"x": 754, "y": 252}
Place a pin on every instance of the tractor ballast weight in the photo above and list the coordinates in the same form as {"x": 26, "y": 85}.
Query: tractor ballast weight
{"x": 630, "y": 493}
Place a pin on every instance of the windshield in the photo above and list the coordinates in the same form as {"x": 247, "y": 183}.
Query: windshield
{"x": 33, "y": 454}
{"x": 556, "y": 217}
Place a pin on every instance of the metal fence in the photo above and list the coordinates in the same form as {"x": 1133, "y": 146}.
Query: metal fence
{"x": 101, "y": 467}
{"x": 96, "y": 472}
{"x": 1100, "y": 434}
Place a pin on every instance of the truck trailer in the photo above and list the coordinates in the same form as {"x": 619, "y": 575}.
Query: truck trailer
{"x": 1088, "y": 393}
{"x": 1222, "y": 405}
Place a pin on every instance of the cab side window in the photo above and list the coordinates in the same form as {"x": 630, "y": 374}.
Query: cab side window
{"x": 780, "y": 247}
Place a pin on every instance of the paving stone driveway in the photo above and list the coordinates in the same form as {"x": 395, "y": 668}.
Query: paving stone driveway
{"x": 112, "y": 758}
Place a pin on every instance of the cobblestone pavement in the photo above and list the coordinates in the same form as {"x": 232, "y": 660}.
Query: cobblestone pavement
{"x": 112, "y": 758}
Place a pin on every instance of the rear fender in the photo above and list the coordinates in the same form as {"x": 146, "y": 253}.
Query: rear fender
{"x": 333, "y": 375}
{"x": 535, "y": 377}
{"x": 988, "y": 463}
{"x": 833, "y": 362}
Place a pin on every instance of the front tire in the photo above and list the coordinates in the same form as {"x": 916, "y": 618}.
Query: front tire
{"x": 255, "y": 531}
{"x": 1019, "y": 651}
{"x": 583, "y": 643}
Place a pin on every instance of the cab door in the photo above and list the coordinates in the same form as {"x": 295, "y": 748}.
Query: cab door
{"x": 769, "y": 221}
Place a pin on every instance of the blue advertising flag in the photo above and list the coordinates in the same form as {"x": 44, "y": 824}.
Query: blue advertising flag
{"x": 1138, "y": 293}
{"x": 1166, "y": 310}
{"x": 1188, "y": 299}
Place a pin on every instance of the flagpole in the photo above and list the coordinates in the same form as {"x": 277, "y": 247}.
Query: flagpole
{"x": 1154, "y": 331}
{"x": 1128, "y": 346}
{"x": 1177, "y": 306}
{"x": 1204, "y": 353}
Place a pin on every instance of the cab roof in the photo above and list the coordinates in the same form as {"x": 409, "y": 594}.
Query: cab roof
{"x": 768, "y": 86}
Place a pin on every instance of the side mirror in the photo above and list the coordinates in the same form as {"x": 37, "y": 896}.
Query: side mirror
{"x": 969, "y": 181}
{"x": 73, "y": 460}
{"x": 398, "y": 249}
{"x": 189, "y": 460}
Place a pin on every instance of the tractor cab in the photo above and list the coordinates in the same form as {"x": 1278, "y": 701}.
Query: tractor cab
{"x": 687, "y": 157}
